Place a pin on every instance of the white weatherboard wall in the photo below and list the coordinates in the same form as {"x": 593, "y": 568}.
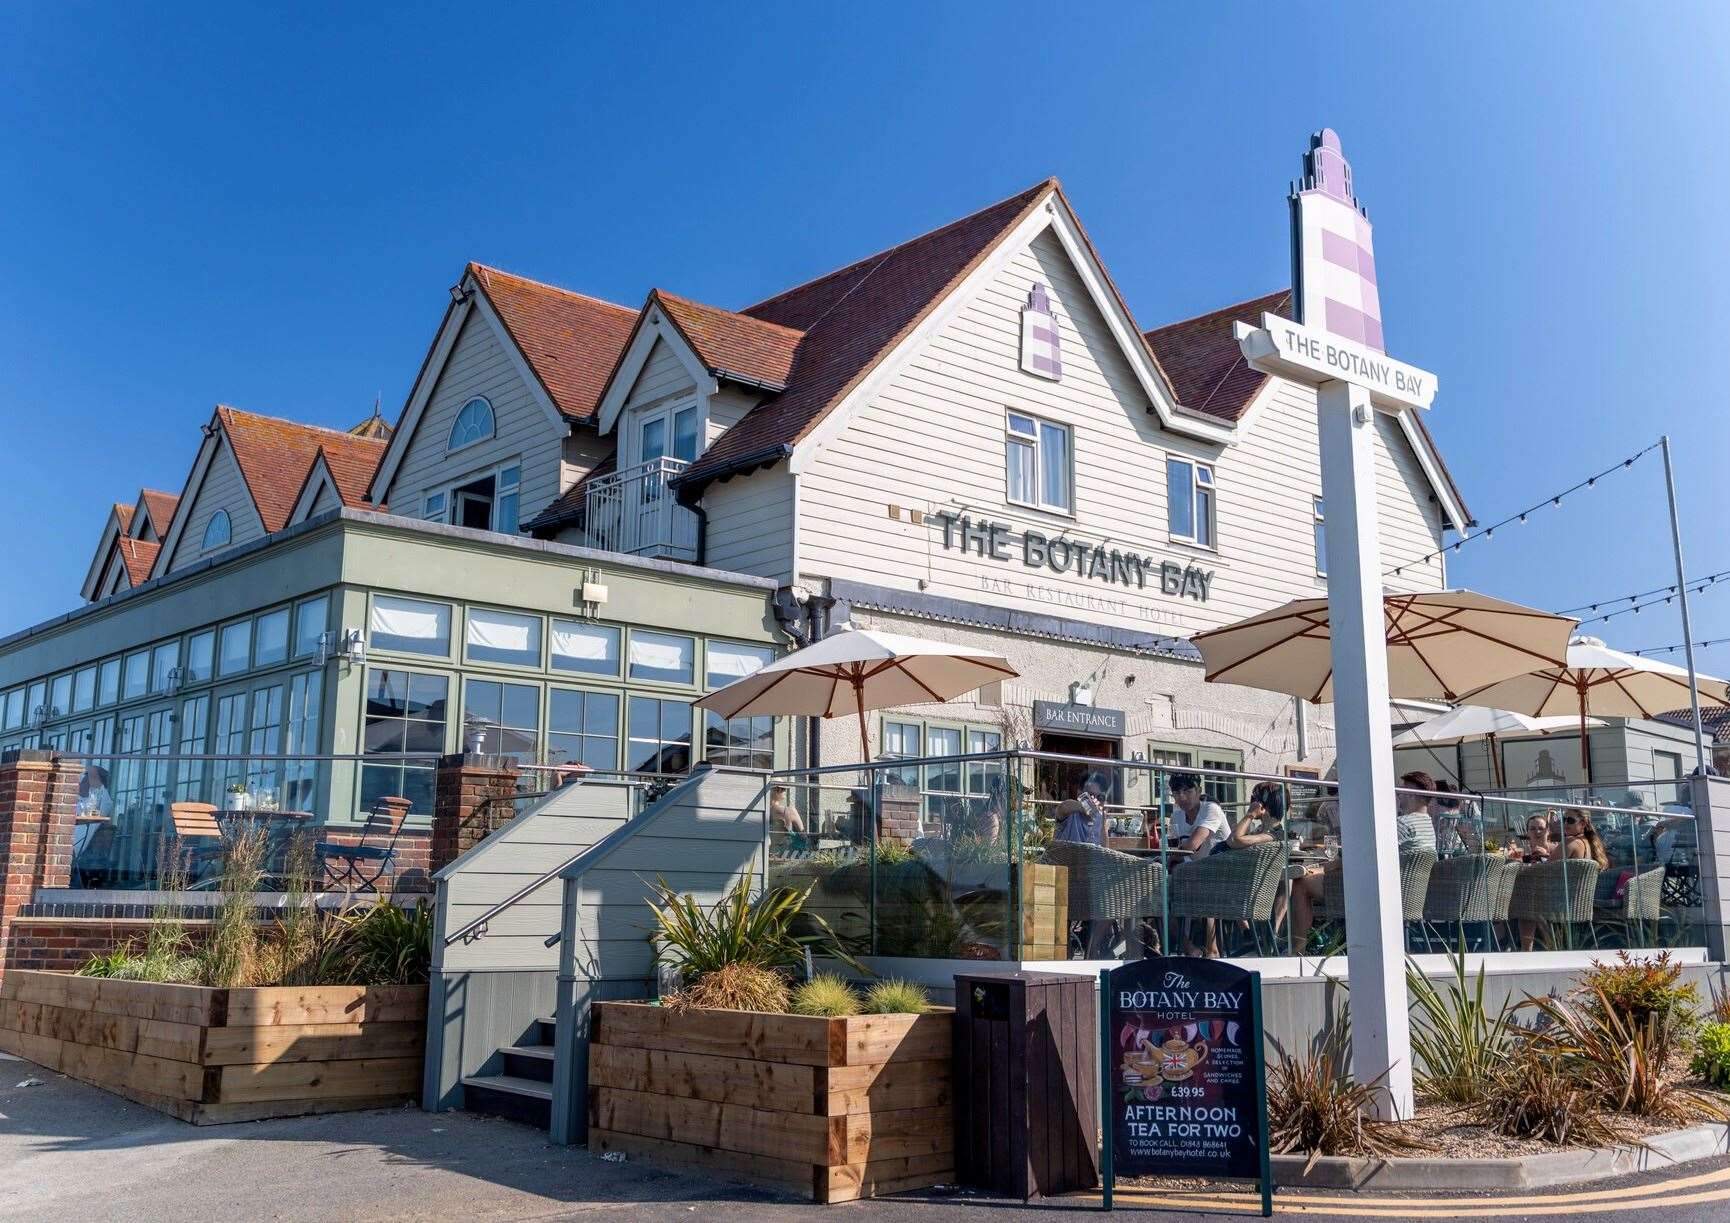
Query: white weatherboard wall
{"x": 223, "y": 489}
{"x": 479, "y": 364}
{"x": 933, "y": 440}
{"x": 751, "y": 524}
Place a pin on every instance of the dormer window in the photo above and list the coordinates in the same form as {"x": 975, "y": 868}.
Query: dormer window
{"x": 217, "y": 531}
{"x": 473, "y": 424}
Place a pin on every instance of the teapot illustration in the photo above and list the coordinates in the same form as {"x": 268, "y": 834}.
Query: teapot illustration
{"x": 1177, "y": 1060}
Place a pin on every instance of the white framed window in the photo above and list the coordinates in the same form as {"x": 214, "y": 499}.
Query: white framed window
{"x": 310, "y": 618}
{"x": 487, "y": 500}
{"x": 137, "y": 678}
{"x": 84, "y": 690}
{"x": 271, "y": 644}
{"x": 108, "y": 681}
{"x": 164, "y": 661}
{"x": 60, "y": 696}
{"x": 217, "y": 531}
{"x": 200, "y": 656}
{"x": 1189, "y": 491}
{"x": 410, "y": 625}
{"x": 474, "y": 423}
{"x": 902, "y": 741}
{"x": 592, "y": 649}
{"x": 1038, "y": 462}
{"x": 234, "y": 655}
{"x": 505, "y": 499}
{"x": 433, "y": 508}
{"x": 508, "y": 637}
{"x": 1321, "y": 534}
{"x": 14, "y": 709}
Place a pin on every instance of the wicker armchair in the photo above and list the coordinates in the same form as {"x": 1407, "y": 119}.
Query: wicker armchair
{"x": 1461, "y": 892}
{"x": 1640, "y": 911}
{"x": 1558, "y": 892}
{"x": 1415, "y": 868}
{"x": 1105, "y": 884}
{"x": 1239, "y": 885}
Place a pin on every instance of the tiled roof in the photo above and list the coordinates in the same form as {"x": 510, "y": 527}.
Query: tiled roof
{"x": 160, "y": 506}
{"x": 730, "y": 343}
{"x": 569, "y": 506}
{"x": 275, "y": 456}
{"x": 1201, "y": 360}
{"x": 571, "y": 340}
{"x": 352, "y": 460}
{"x": 139, "y": 557}
{"x": 1715, "y": 722}
{"x": 124, "y": 514}
{"x": 851, "y": 318}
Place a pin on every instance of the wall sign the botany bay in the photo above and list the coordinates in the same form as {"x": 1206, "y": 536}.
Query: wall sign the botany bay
{"x": 1184, "y": 1083}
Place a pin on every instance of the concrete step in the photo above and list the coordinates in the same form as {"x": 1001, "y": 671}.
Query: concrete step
{"x": 533, "y": 1062}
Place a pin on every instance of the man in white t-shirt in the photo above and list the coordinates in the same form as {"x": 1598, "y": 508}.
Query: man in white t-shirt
{"x": 1198, "y": 824}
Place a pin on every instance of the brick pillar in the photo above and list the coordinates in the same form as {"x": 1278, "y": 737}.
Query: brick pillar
{"x": 38, "y": 799}
{"x": 474, "y": 797}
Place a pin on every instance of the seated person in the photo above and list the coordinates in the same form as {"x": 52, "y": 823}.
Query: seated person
{"x": 1199, "y": 826}
{"x": 1082, "y": 818}
{"x": 785, "y": 819}
{"x": 1413, "y": 831}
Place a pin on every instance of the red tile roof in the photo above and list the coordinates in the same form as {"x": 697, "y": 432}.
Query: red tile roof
{"x": 275, "y": 456}
{"x": 160, "y": 506}
{"x": 353, "y": 459}
{"x": 1202, "y": 362}
{"x": 124, "y": 514}
{"x": 139, "y": 558}
{"x": 570, "y": 340}
{"x": 851, "y": 318}
{"x": 730, "y": 343}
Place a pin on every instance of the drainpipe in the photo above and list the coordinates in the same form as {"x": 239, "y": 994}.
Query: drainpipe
{"x": 702, "y": 533}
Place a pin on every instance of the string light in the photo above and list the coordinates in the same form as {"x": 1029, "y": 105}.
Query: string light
{"x": 1671, "y": 649}
{"x": 1553, "y": 500}
{"x": 1664, "y": 594}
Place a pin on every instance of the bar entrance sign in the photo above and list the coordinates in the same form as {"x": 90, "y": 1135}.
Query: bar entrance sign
{"x": 1183, "y": 1084}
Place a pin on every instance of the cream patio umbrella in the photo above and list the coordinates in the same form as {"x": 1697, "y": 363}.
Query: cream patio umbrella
{"x": 1594, "y": 679}
{"x": 852, "y": 670}
{"x": 1465, "y": 722}
{"x": 1441, "y": 643}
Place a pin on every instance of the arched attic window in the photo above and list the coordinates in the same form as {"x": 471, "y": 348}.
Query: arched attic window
{"x": 473, "y": 424}
{"x": 216, "y": 531}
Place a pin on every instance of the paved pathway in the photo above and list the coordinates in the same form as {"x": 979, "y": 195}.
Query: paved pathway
{"x": 72, "y": 1152}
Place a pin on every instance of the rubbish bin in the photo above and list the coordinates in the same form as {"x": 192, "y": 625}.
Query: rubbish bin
{"x": 1027, "y": 1083}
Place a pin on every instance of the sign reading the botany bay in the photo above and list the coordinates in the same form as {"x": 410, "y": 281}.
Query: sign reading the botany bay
{"x": 1184, "y": 1091}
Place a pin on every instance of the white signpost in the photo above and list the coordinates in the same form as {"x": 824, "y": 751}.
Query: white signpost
{"x": 1336, "y": 347}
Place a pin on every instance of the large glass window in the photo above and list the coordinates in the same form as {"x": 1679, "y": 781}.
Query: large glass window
{"x": 501, "y": 719}
{"x": 201, "y": 657}
{"x": 36, "y": 701}
{"x": 1189, "y": 501}
{"x": 979, "y": 741}
{"x": 137, "y": 678}
{"x": 311, "y": 618}
{"x": 108, "y": 682}
{"x": 583, "y": 728}
{"x": 942, "y": 781}
{"x": 230, "y": 742}
{"x": 405, "y": 712}
{"x": 662, "y": 656}
{"x": 84, "y": 690}
{"x": 60, "y": 696}
{"x": 1038, "y": 463}
{"x": 747, "y": 743}
{"x": 189, "y": 741}
{"x": 660, "y": 740}
{"x": 592, "y": 649}
{"x": 14, "y": 712}
{"x": 728, "y": 662}
{"x": 410, "y": 625}
{"x": 236, "y": 652}
{"x": 903, "y": 741}
{"x": 271, "y": 642}
{"x": 164, "y": 662}
{"x": 300, "y": 777}
{"x": 264, "y": 777}
{"x": 496, "y": 636}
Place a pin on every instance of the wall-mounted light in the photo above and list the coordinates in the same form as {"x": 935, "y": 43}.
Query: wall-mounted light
{"x": 1081, "y": 693}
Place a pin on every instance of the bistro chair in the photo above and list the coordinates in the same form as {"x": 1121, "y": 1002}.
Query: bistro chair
{"x": 1109, "y": 885}
{"x": 1462, "y": 893}
{"x": 1639, "y": 911}
{"x": 1503, "y": 897}
{"x": 1555, "y": 893}
{"x": 358, "y": 867}
{"x": 1238, "y": 885}
{"x": 1415, "y": 868}
{"x": 198, "y": 836}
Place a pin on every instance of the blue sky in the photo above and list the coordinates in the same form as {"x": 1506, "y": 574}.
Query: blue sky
{"x": 265, "y": 208}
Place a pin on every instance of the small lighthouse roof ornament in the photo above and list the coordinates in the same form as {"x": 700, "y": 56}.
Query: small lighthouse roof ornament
{"x": 1333, "y": 251}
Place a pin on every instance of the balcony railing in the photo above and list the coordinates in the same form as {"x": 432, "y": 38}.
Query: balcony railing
{"x": 634, "y": 511}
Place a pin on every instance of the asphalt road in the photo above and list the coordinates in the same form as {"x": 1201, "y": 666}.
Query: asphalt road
{"x": 72, "y": 1152}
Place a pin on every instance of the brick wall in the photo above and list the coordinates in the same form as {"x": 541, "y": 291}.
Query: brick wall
{"x": 65, "y": 944}
{"x": 476, "y": 796}
{"x": 38, "y": 799}
{"x": 413, "y": 870}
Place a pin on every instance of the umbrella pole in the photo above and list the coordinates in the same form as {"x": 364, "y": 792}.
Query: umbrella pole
{"x": 1496, "y": 763}
{"x": 1585, "y": 747}
{"x": 864, "y": 735}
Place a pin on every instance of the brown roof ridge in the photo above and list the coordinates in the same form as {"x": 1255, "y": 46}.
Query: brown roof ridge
{"x": 284, "y": 420}
{"x": 1282, "y": 294}
{"x": 488, "y": 270}
{"x": 669, "y": 295}
{"x": 730, "y": 344}
{"x": 882, "y": 255}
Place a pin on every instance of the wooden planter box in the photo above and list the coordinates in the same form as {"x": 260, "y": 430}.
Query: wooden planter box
{"x": 210, "y": 1055}
{"x": 833, "y": 1108}
{"x": 1044, "y": 911}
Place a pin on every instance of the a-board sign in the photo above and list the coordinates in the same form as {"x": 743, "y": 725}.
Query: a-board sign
{"x": 1184, "y": 1086}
